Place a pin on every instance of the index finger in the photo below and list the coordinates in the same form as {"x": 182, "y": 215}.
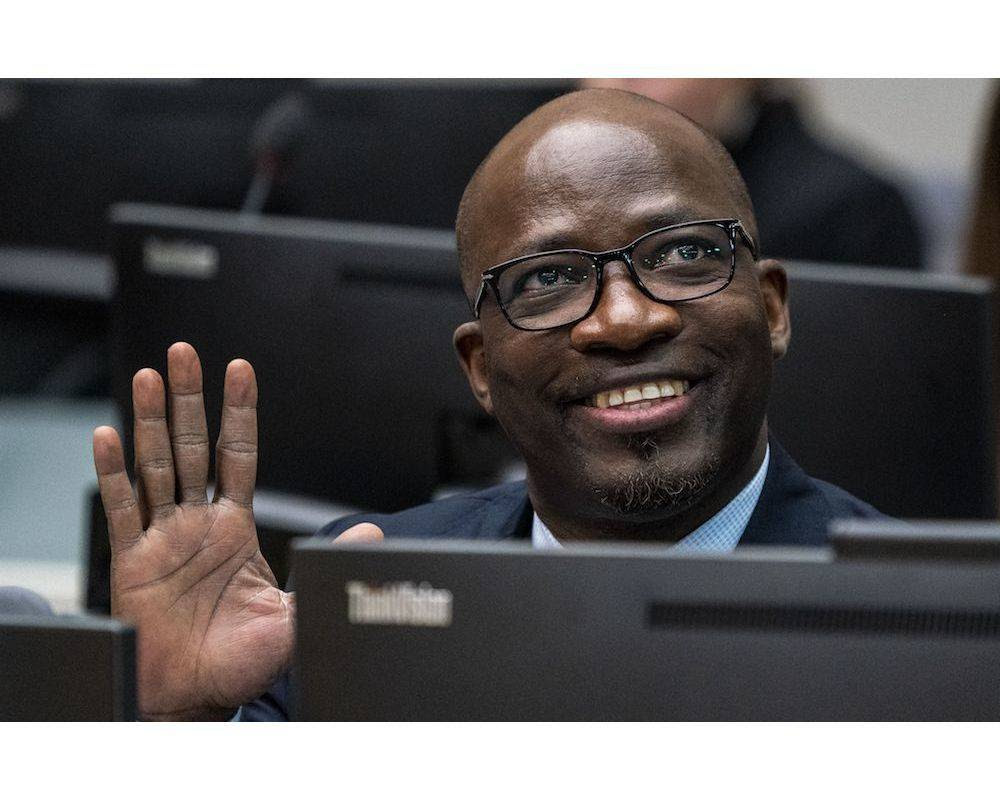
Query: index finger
{"x": 117, "y": 496}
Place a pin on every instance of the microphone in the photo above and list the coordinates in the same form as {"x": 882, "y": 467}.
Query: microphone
{"x": 276, "y": 140}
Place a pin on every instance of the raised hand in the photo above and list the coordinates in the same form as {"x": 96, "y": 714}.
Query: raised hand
{"x": 214, "y": 629}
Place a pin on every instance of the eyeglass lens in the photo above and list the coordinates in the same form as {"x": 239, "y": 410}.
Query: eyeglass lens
{"x": 678, "y": 264}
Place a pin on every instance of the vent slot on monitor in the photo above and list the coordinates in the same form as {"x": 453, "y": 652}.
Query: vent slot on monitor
{"x": 828, "y": 619}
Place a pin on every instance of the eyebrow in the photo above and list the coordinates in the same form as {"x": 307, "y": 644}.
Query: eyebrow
{"x": 564, "y": 241}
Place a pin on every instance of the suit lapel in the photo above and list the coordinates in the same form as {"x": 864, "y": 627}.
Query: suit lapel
{"x": 509, "y": 516}
{"x": 791, "y": 510}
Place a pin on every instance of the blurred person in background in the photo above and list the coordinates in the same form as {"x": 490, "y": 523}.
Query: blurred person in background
{"x": 813, "y": 202}
{"x": 982, "y": 252}
{"x": 982, "y": 256}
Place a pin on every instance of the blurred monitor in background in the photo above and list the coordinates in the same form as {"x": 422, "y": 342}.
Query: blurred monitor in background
{"x": 378, "y": 151}
{"x": 349, "y": 327}
{"x": 812, "y": 201}
{"x": 388, "y": 151}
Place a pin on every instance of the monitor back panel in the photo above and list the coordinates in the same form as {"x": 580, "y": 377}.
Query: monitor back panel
{"x": 887, "y": 388}
{"x": 631, "y": 636}
{"x": 348, "y": 327}
{"x": 66, "y": 669}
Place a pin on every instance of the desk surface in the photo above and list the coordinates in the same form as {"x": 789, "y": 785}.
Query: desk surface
{"x": 46, "y": 474}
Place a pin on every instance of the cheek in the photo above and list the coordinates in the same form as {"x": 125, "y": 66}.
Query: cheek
{"x": 743, "y": 322}
{"x": 520, "y": 370}
{"x": 746, "y": 349}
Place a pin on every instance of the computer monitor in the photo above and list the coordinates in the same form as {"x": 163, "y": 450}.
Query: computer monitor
{"x": 499, "y": 631}
{"x": 887, "y": 389}
{"x": 349, "y": 327}
{"x": 53, "y": 323}
{"x": 66, "y": 669}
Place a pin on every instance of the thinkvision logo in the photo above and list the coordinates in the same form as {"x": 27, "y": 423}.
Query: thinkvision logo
{"x": 398, "y": 604}
{"x": 180, "y": 258}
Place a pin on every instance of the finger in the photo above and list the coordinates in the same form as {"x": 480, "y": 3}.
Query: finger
{"x": 236, "y": 451}
{"x": 361, "y": 533}
{"x": 124, "y": 524}
{"x": 154, "y": 460}
{"x": 188, "y": 429}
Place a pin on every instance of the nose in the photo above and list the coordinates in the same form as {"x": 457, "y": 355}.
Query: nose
{"x": 625, "y": 319}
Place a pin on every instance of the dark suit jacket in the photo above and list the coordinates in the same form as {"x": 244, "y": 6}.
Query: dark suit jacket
{"x": 793, "y": 509}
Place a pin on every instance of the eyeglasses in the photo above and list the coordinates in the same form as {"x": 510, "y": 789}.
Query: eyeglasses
{"x": 669, "y": 265}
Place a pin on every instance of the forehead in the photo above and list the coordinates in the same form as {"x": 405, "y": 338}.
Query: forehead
{"x": 597, "y": 184}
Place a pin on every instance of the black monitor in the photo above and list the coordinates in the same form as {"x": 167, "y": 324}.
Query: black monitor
{"x": 487, "y": 631}
{"x": 66, "y": 669}
{"x": 887, "y": 388}
{"x": 349, "y": 328}
{"x": 53, "y": 322}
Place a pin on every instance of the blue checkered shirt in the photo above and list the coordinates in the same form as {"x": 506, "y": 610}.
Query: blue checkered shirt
{"x": 720, "y": 534}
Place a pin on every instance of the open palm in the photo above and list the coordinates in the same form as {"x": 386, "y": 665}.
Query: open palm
{"x": 214, "y": 629}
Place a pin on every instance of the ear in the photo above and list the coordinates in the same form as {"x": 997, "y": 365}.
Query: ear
{"x": 468, "y": 342}
{"x": 774, "y": 287}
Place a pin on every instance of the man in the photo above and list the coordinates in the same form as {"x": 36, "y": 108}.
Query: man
{"x": 633, "y": 378}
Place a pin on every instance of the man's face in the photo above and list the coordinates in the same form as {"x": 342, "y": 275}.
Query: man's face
{"x": 597, "y": 186}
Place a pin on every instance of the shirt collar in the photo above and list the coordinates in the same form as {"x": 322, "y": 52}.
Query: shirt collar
{"x": 721, "y": 533}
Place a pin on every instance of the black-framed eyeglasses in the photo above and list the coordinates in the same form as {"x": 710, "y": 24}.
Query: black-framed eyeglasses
{"x": 674, "y": 264}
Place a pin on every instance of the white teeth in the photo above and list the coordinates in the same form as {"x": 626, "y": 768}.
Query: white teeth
{"x": 640, "y": 393}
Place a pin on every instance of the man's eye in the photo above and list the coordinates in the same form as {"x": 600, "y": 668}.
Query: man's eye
{"x": 682, "y": 254}
{"x": 548, "y": 277}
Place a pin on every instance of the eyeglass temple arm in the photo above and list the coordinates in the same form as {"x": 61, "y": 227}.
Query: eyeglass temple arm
{"x": 748, "y": 239}
{"x": 477, "y": 305}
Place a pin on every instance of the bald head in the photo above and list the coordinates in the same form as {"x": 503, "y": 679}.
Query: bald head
{"x": 585, "y": 148}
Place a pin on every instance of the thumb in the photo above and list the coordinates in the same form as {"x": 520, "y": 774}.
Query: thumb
{"x": 360, "y": 533}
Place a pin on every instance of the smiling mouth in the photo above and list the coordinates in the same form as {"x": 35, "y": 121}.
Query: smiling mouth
{"x": 638, "y": 408}
{"x": 639, "y": 396}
